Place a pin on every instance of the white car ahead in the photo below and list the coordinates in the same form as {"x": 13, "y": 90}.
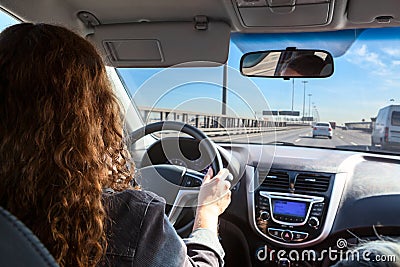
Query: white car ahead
{"x": 322, "y": 129}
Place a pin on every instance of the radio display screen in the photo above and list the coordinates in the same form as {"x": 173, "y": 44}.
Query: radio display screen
{"x": 289, "y": 208}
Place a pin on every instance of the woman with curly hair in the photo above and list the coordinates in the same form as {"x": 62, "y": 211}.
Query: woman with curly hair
{"x": 61, "y": 144}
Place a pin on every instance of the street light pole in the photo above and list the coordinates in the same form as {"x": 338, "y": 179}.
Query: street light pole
{"x": 309, "y": 105}
{"x": 304, "y": 96}
{"x": 292, "y": 95}
{"x": 316, "y": 114}
{"x": 313, "y": 111}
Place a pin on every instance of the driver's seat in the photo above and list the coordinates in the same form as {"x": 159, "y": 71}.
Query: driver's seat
{"x": 19, "y": 246}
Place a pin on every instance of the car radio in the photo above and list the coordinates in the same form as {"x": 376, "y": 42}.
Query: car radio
{"x": 289, "y": 217}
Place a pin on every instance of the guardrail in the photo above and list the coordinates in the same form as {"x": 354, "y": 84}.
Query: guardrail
{"x": 215, "y": 125}
{"x": 209, "y": 121}
{"x": 236, "y": 131}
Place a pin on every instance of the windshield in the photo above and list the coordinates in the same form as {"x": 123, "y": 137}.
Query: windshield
{"x": 232, "y": 108}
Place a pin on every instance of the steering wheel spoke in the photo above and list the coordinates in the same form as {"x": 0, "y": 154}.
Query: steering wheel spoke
{"x": 177, "y": 185}
{"x": 165, "y": 180}
{"x": 185, "y": 198}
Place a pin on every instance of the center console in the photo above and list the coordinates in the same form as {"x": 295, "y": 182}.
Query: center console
{"x": 290, "y": 218}
{"x": 293, "y": 208}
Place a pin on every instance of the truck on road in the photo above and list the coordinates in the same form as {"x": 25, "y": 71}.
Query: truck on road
{"x": 386, "y": 129}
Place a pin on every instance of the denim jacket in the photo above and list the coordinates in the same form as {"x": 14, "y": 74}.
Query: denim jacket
{"x": 139, "y": 234}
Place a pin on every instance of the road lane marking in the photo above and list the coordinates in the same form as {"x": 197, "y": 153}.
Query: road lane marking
{"x": 341, "y": 136}
{"x": 297, "y": 140}
{"x": 240, "y": 136}
{"x": 354, "y": 144}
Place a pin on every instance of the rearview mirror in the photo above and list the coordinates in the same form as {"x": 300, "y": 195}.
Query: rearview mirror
{"x": 290, "y": 63}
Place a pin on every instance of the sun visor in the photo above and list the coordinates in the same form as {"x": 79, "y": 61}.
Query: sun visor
{"x": 153, "y": 44}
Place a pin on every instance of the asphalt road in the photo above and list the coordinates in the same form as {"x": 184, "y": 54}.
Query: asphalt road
{"x": 342, "y": 139}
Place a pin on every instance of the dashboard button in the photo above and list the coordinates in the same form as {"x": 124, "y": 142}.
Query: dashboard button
{"x": 287, "y": 235}
{"x": 299, "y": 236}
{"x": 316, "y": 213}
{"x": 192, "y": 182}
{"x": 264, "y": 215}
{"x": 188, "y": 182}
{"x": 318, "y": 206}
{"x": 275, "y": 232}
{"x": 317, "y": 209}
{"x": 197, "y": 182}
{"x": 313, "y": 222}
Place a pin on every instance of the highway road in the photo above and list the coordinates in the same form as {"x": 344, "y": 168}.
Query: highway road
{"x": 342, "y": 139}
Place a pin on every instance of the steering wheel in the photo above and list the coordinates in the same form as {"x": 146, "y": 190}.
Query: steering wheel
{"x": 179, "y": 186}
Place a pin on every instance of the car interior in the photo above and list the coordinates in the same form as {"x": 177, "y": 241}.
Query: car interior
{"x": 203, "y": 84}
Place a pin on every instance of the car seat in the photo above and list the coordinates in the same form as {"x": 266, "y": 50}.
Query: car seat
{"x": 19, "y": 246}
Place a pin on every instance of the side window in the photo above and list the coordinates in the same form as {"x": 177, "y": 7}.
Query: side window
{"x": 380, "y": 116}
{"x": 6, "y": 20}
{"x": 396, "y": 118}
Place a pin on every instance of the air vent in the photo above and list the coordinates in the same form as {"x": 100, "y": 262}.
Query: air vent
{"x": 275, "y": 180}
{"x": 312, "y": 182}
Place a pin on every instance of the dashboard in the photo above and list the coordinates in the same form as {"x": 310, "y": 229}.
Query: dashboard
{"x": 300, "y": 199}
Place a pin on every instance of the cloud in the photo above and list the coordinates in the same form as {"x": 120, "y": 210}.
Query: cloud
{"x": 394, "y": 52}
{"x": 396, "y": 62}
{"x": 362, "y": 51}
{"x": 372, "y": 61}
{"x": 392, "y": 83}
{"x": 369, "y": 57}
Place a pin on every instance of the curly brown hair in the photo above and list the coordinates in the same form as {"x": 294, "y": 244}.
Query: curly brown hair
{"x": 60, "y": 139}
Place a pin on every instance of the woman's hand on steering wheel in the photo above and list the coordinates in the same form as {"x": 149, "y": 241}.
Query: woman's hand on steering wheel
{"x": 214, "y": 198}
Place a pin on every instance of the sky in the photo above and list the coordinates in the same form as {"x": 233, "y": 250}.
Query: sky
{"x": 6, "y": 20}
{"x": 365, "y": 79}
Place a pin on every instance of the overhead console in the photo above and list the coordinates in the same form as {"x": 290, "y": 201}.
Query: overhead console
{"x": 295, "y": 208}
{"x": 284, "y": 13}
{"x": 370, "y": 11}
